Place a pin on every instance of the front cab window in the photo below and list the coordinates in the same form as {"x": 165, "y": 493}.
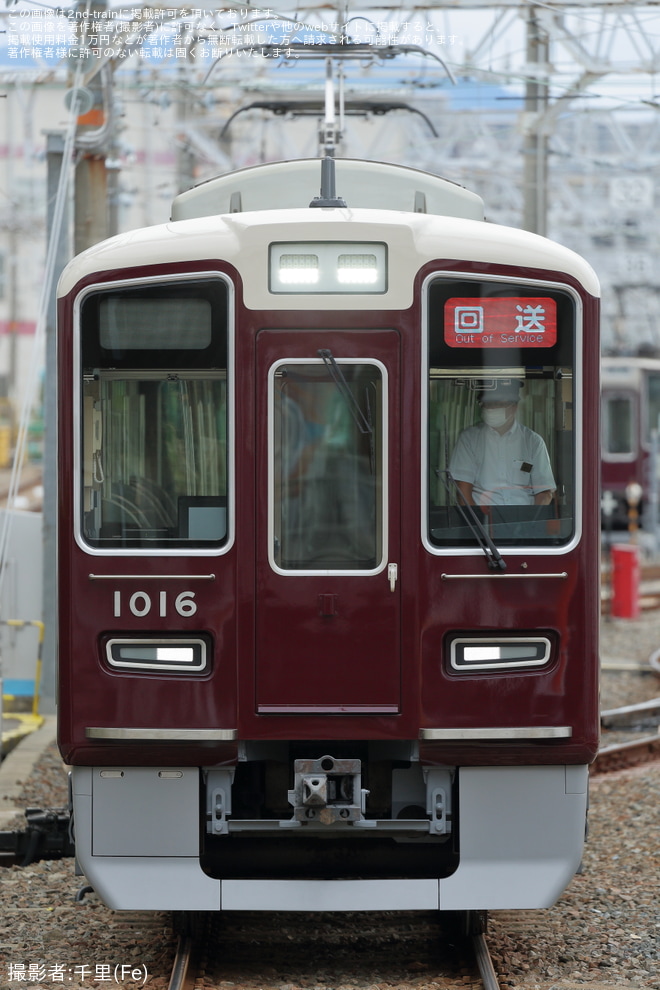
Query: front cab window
{"x": 154, "y": 449}
{"x": 327, "y": 465}
{"x": 500, "y": 413}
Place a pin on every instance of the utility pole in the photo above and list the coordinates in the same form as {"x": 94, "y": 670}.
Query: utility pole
{"x": 13, "y": 258}
{"x": 57, "y": 227}
{"x": 535, "y": 181}
{"x": 93, "y": 219}
{"x": 185, "y": 157}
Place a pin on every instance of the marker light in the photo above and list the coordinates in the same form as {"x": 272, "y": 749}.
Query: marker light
{"x": 329, "y": 267}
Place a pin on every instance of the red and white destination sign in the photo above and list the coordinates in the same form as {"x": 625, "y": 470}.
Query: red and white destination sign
{"x": 510, "y": 321}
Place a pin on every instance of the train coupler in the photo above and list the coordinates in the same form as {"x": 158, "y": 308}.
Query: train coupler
{"x": 47, "y": 835}
{"x": 328, "y": 791}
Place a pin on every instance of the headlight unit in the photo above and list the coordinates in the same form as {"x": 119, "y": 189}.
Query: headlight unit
{"x": 182, "y": 655}
{"x": 328, "y": 267}
{"x": 499, "y": 652}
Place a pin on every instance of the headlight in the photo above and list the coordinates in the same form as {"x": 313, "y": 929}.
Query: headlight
{"x": 328, "y": 267}
{"x": 357, "y": 269}
{"x": 298, "y": 269}
{"x": 501, "y": 653}
{"x": 185, "y": 656}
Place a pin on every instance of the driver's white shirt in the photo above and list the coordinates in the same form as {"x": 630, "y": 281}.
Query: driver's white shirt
{"x": 503, "y": 468}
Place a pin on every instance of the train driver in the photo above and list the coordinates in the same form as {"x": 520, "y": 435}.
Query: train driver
{"x": 499, "y": 461}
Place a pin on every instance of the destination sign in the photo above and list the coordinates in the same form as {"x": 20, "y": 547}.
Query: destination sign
{"x": 511, "y": 321}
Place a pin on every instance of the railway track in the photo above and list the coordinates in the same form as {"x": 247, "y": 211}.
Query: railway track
{"x": 183, "y": 967}
{"x": 484, "y": 963}
{"x": 625, "y": 756}
{"x": 202, "y": 958}
{"x": 649, "y": 588}
{"x": 642, "y": 720}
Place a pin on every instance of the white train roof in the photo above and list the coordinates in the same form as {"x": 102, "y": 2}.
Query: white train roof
{"x": 243, "y": 240}
{"x": 292, "y": 184}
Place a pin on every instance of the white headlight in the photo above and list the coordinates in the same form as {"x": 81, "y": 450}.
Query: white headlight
{"x": 182, "y": 655}
{"x": 499, "y": 654}
{"x": 299, "y": 269}
{"x": 328, "y": 267}
{"x": 357, "y": 269}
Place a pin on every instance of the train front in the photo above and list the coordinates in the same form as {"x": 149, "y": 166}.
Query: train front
{"x": 328, "y": 550}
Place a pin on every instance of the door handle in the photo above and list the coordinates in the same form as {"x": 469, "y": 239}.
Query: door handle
{"x": 392, "y": 574}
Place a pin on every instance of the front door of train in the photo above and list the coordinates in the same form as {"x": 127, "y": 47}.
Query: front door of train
{"x": 328, "y": 535}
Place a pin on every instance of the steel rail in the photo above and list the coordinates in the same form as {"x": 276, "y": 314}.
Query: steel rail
{"x": 642, "y": 715}
{"x": 654, "y": 662}
{"x": 626, "y": 755}
{"x": 484, "y": 962}
{"x": 182, "y": 977}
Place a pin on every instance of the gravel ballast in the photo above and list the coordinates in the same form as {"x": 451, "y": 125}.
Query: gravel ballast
{"x": 603, "y": 932}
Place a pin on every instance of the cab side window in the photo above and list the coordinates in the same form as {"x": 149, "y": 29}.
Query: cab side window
{"x": 500, "y": 413}
{"x": 154, "y": 416}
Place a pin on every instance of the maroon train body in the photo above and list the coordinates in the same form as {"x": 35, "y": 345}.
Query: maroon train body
{"x": 630, "y": 421}
{"x": 293, "y": 673}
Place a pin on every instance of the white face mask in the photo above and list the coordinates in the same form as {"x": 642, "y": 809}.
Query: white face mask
{"x": 494, "y": 417}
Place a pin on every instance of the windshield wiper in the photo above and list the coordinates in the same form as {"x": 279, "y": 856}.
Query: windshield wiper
{"x": 361, "y": 421}
{"x": 479, "y": 531}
